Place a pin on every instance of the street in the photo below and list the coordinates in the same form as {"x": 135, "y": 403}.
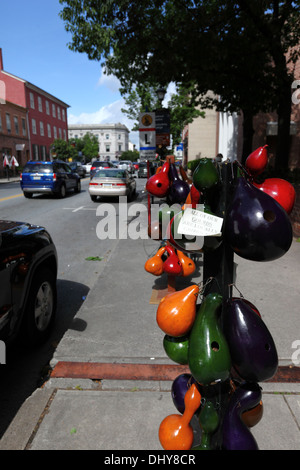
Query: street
{"x": 72, "y": 222}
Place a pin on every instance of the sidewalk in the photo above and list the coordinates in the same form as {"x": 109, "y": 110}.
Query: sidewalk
{"x": 111, "y": 379}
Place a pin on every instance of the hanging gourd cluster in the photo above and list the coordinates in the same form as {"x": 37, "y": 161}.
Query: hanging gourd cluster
{"x": 221, "y": 342}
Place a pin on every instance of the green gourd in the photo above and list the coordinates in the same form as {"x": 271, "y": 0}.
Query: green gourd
{"x": 209, "y": 422}
{"x": 208, "y": 356}
{"x": 205, "y": 175}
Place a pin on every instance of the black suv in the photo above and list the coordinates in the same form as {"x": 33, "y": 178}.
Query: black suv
{"x": 28, "y": 273}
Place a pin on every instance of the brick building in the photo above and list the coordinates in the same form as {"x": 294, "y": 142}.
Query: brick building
{"x": 31, "y": 119}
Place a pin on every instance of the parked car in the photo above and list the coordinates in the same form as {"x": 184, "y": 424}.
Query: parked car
{"x": 143, "y": 169}
{"x": 99, "y": 164}
{"x": 28, "y": 275}
{"x": 112, "y": 182}
{"x": 87, "y": 167}
{"x": 126, "y": 165}
{"x": 78, "y": 168}
{"x": 55, "y": 177}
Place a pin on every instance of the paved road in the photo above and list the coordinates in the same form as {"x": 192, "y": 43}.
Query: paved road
{"x": 72, "y": 223}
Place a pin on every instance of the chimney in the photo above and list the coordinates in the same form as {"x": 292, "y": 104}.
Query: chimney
{"x": 1, "y": 60}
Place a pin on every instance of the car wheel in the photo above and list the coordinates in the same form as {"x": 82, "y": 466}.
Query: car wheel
{"x": 78, "y": 187}
{"x": 94, "y": 198}
{"x": 62, "y": 191}
{"x": 27, "y": 195}
{"x": 41, "y": 308}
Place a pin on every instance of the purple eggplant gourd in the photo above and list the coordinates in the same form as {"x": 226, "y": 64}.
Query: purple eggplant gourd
{"x": 179, "y": 189}
{"x": 257, "y": 227}
{"x": 235, "y": 433}
{"x": 252, "y": 349}
{"x": 179, "y": 388}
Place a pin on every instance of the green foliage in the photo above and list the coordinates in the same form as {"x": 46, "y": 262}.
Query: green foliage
{"x": 88, "y": 145}
{"x": 234, "y": 49}
{"x": 63, "y": 149}
{"x": 131, "y": 155}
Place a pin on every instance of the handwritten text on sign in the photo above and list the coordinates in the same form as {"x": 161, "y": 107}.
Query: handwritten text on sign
{"x": 198, "y": 222}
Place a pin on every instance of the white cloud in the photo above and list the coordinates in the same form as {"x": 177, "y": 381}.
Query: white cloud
{"x": 109, "y": 81}
{"x": 108, "y": 114}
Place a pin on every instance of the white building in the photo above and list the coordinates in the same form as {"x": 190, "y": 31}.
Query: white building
{"x": 113, "y": 138}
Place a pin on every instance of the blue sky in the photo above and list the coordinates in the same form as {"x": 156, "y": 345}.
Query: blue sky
{"x": 34, "y": 47}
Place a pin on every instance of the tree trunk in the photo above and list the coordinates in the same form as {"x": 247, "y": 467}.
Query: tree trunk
{"x": 248, "y": 132}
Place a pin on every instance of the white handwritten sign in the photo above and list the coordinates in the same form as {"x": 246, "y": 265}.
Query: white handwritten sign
{"x": 200, "y": 223}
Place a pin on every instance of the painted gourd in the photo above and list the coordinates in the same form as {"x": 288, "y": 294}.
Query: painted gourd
{"x": 175, "y": 431}
{"x": 252, "y": 349}
{"x": 179, "y": 388}
{"x": 253, "y": 416}
{"x": 281, "y": 190}
{"x": 257, "y": 161}
{"x": 154, "y": 230}
{"x": 187, "y": 264}
{"x": 158, "y": 184}
{"x": 209, "y": 357}
{"x": 172, "y": 265}
{"x": 154, "y": 265}
{"x": 209, "y": 422}
{"x": 179, "y": 189}
{"x": 257, "y": 227}
{"x": 206, "y": 175}
{"x": 165, "y": 215}
{"x": 249, "y": 303}
{"x": 176, "y": 312}
{"x": 235, "y": 433}
{"x": 177, "y": 348}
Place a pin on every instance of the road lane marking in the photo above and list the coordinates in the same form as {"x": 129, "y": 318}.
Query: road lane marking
{"x": 82, "y": 208}
{"x": 10, "y": 197}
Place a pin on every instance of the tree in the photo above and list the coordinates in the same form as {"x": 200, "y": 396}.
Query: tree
{"x": 131, "y": 155}
{"x": 63, "y": 150}
{"x": 228, "y": 47}
{"x": 181, "y": 106}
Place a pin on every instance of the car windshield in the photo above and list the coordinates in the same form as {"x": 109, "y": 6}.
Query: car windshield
{"x": 110, "y": 173}
{"x": 38, "y": 168}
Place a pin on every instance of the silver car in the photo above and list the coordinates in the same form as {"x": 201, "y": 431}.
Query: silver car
{"x": 112, "y": 182}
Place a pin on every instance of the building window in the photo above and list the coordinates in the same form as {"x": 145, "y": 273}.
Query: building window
{"x": 43, "y": 152}
{"x": 107, "y": 136}
{"x": 33, "y": 123}
{"x": 119, "y": 136}
{"x": 41, "y": 128}
{"x": 31, "y": 96}
{"x": 23, "y": 127}
{"x": 120, "y": 147}
{"x": 49, "y": 130}
{"x": 16, "y": 124}
{"x": 63, "y": 114}
{"x": 58, "y": 112}
{"x": 8, "y": 123}
{"x": 59, "y": 133}
{"x": 54, "y": 132}
{"x": 47, "y": 107}
{"x": 53, "y": 110}
{"x": 65, "y": 134}
{"x": 107, "y": 147}
{"x": 40, "y": 106}
{"x": 35, "y": 151}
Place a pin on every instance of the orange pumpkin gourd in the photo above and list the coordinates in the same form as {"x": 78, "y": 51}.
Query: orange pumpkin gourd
{"x": 187, "y": 264}
{"x": 175, "y": 431}
{"x": 177, "y": 311}
{"x": 154, "y": 265}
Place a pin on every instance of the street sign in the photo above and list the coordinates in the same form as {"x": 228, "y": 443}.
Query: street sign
{"x": 162, "y": 120}
{"x": 147, "y": 136}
